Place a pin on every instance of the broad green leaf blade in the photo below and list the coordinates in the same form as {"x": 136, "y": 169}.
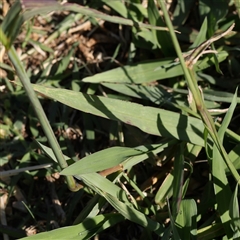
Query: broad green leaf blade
{"x": 114, "y": 156}
{"x": 186, "y": 219}
{"x": 101, "y": 160}
{"x": 149, "y": 71}
{"x": 148, "y": 119}
{"x": 85, "y": 230}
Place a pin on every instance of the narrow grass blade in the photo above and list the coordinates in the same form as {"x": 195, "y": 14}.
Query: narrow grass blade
{"x": 162, "y": 39}
{"x": 11, "y": 24}
{"x": 172, "y": 226}
{"x": 149, "y": 71}
{"x": 165, "y": 191}
{"x": 50, "y": 152}
{"x": 91, "y": 209}
{"x": 156, "y": 94}
{"x": 210, "y": 232}
{"x": 201, "y": 37}
{"x": 25, "y": 81}
{"x": 88, "y": 12}
{"x": 221, "y": 184}
{"x": 234, "y": 214}
{"x": 85, "y": 230}
{"x": 101, "y": 160}
{"x": 153, "y": 149}
{"x": 178, "y": 174}
{"x": 148, "y": 119}
{"x": 139, "y": 154}
{"x": 96, "y": 182}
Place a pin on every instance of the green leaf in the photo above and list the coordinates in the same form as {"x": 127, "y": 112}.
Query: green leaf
{"x": 151, "y": 120}
{"x": 152, "y": 149}
{"x": 201, "y": 37}
{"x": 101, "y": 160}
{"x": 165, "y": 191}
{"x": 221, "y": 186}
{"x": 234, "y": 155}
{"x": 49, "y": 152}
{"x": 85, "y": 230}
{"x": 134, "y": 215}
{"x": 156, "y": 94}
{"x": 149, "y": 71}
{"x": 178, "y": 175}
{"x": 210, "y": 232}
{"x": 117, "y": 6}
{"x": 88, "y": 12}
{"x": 163, "y": 39}
{"x": 11, "y": 25}
{"x": 114, "y": 156}
{"x": 234, "y": 213}
{"x": 186, "y": 219}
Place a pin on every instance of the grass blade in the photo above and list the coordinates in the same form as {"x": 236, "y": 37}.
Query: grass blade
{"x": 163, "y": 39}
{"x": 101, "y": 160}
{"x": 151, "y": 120}
{"x": 234, "y": 214}
{"x": 186, "y": 221}
{"x": 84, "y": 230}
{"x": 149, "y": 71}
{"x": 221, "y": 186}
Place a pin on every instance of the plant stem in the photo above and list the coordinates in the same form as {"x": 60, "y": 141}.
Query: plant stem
{"x": 40, "y": 114}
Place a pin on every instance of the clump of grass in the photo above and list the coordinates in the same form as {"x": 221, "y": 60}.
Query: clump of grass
{"x": 142, "y": 141}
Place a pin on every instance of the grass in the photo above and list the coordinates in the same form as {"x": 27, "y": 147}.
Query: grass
{"x": 105, "y": 135}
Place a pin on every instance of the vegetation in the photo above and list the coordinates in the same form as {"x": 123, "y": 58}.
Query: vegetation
{"x": 119, "y": 119}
